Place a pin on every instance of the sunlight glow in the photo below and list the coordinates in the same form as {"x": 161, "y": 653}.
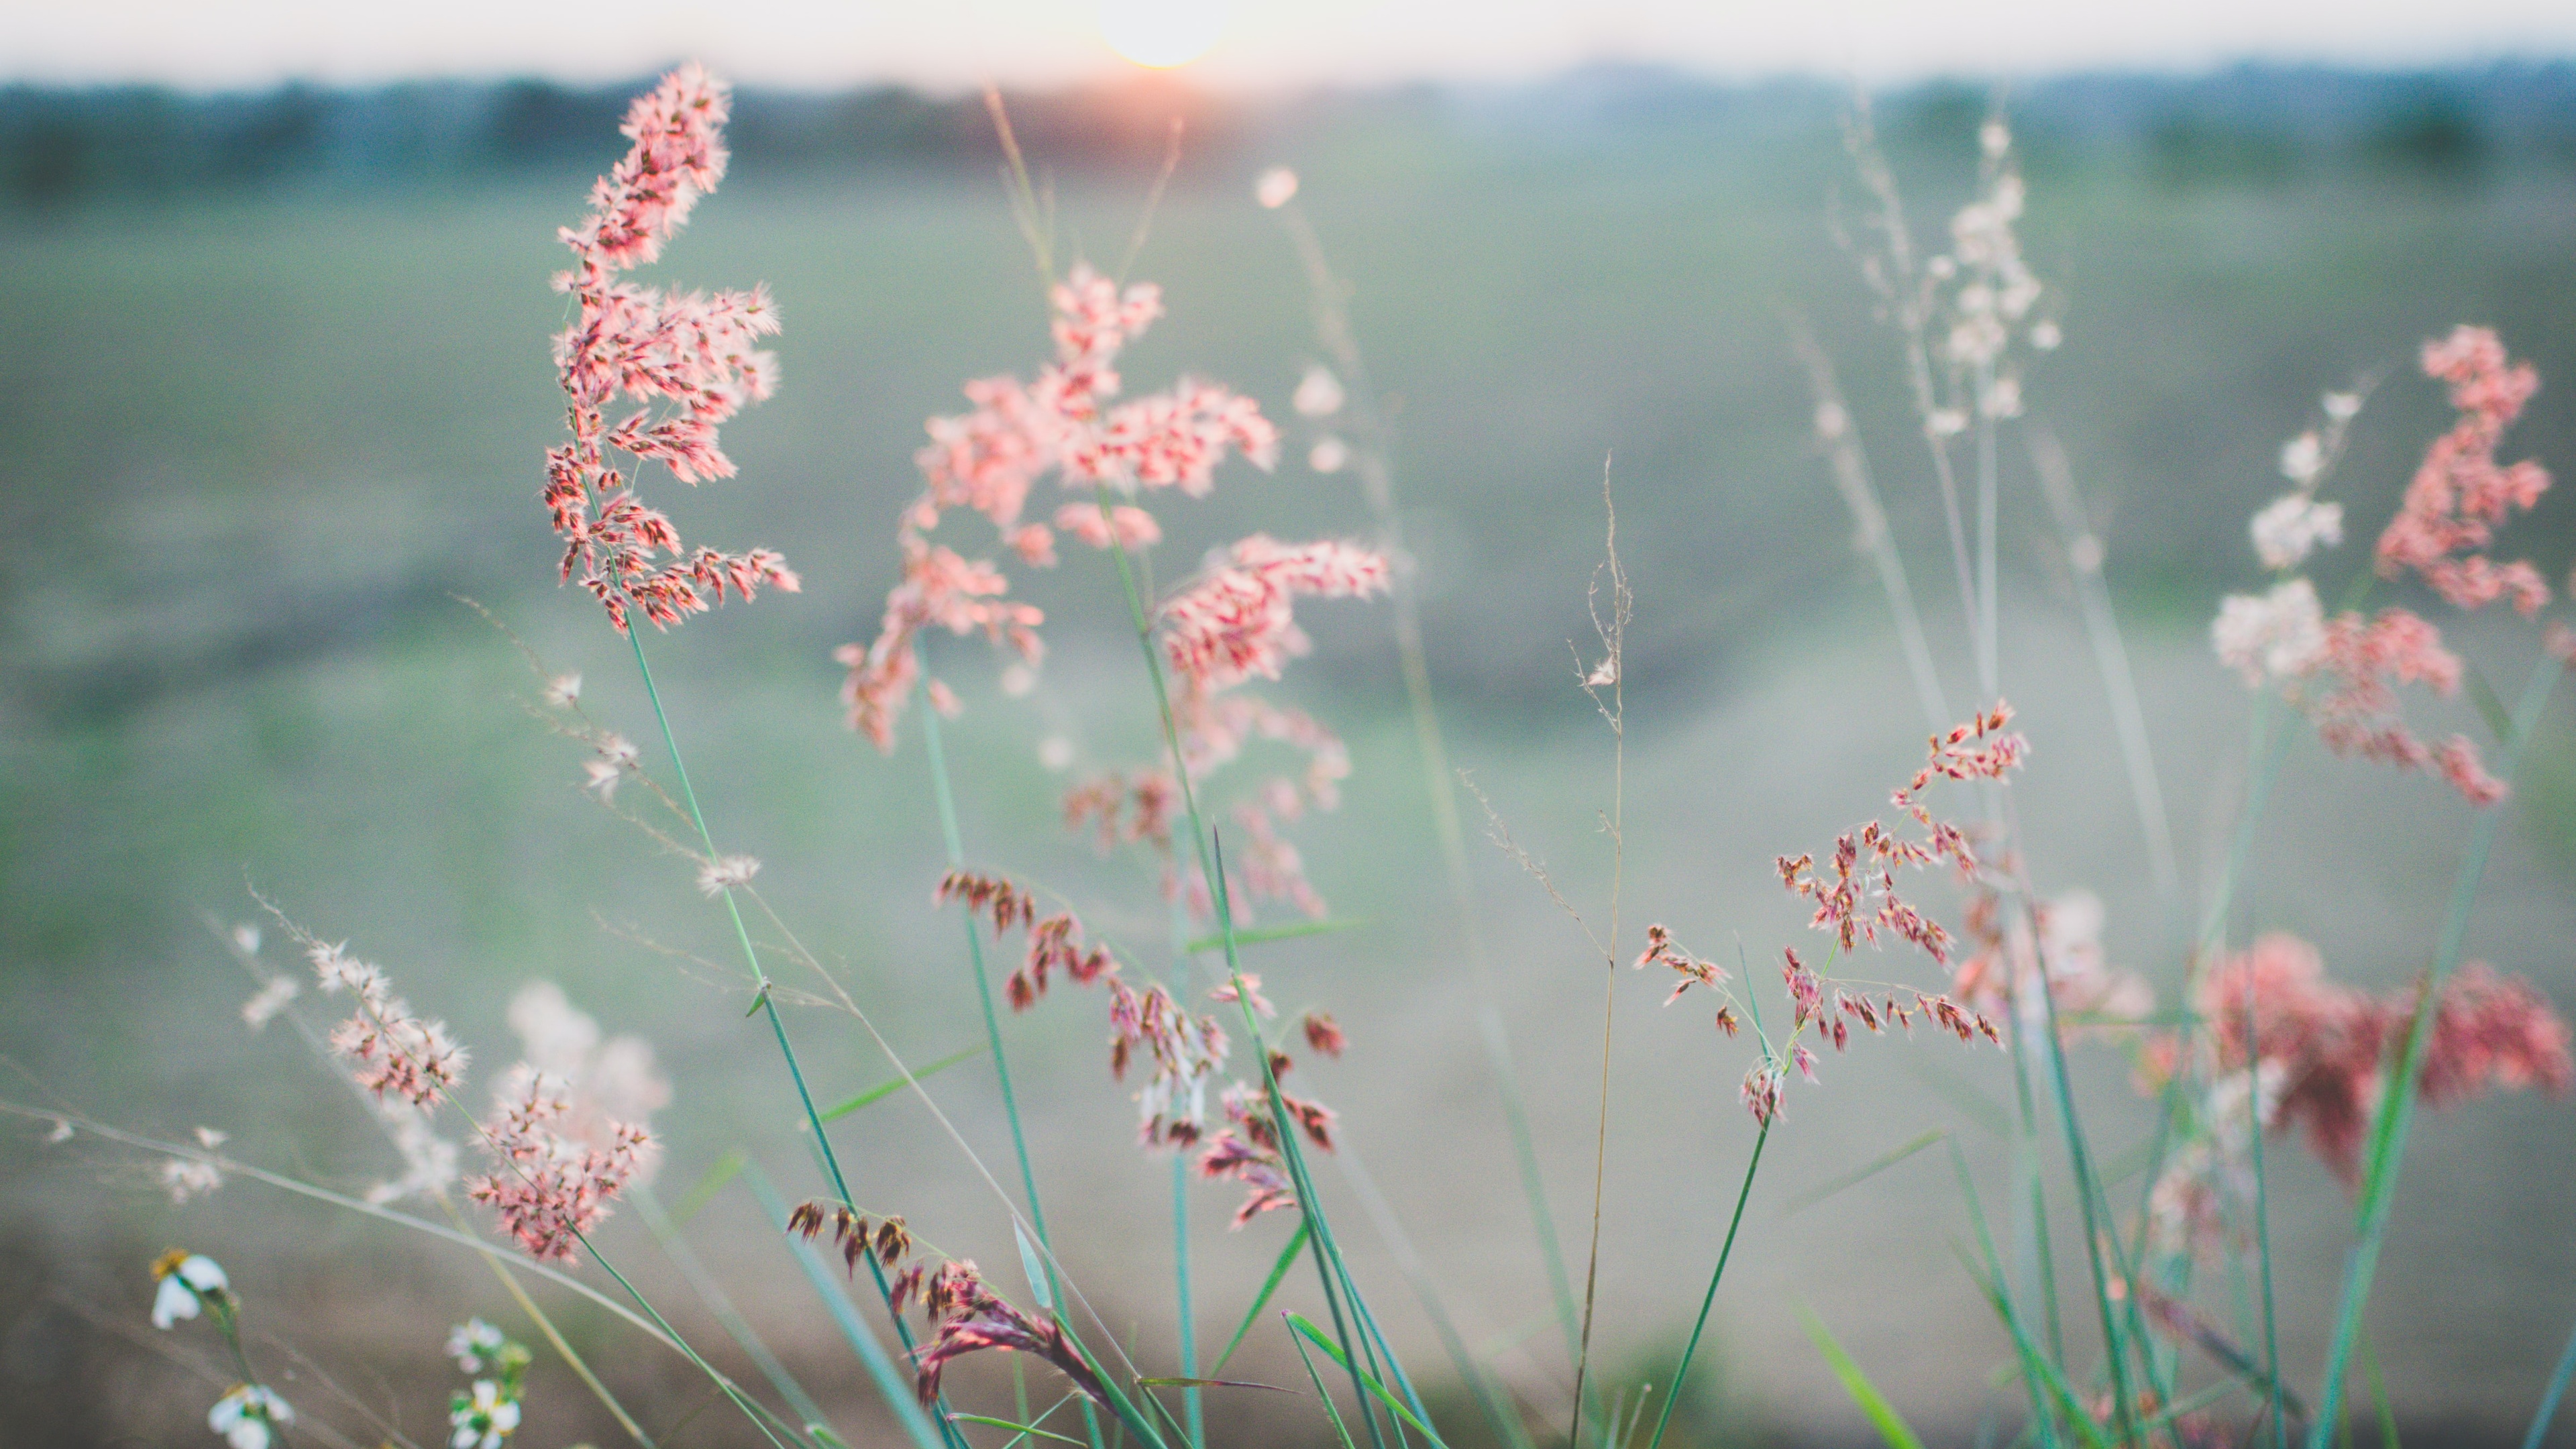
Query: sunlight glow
{"x": 1163, "y": 33}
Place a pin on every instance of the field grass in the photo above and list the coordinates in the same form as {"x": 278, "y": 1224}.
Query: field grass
{"x": 251, "y": 447}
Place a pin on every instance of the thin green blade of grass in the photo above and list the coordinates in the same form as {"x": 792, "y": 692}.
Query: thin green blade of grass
{"x": 1278, "y": 1271}
{"x": 1861, "y": 1174}
{"x": 2548, "y": 1409}
{"x": 888, "y": 1088}
{"x": 1024, "y": 1429}
{"x": 1393, "y": 1404}
{"x": 1190, "y": 1383}
{"x": 1882, "y": 1415}
{"x": 2379, "y": 1395}
{"x": 1255, "y": 935}
{"x": 1334, "y": 1413}
{"x": 703, "y": 1192}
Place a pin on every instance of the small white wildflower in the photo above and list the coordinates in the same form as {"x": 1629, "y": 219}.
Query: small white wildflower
{"x": 2045, "y": 336}
{"x": 1329, "y": 455}
{"x": 2294, "y": 525}
{"x": 1604, "y": 674}
{"x": 1319, "y": 394}
{"x": 210, "y": 1139}
{"x": 473, "y": 1345}
{"x": 249, "y": 1416}
{"x": 2275, "y": 635}
{"x": 246, "y": 939}
{"x": 1018, "y": 679}
{"x": 602, "y": 777}
{"x": 1276, "y": 188}
{"x": 483, "y": 1419}
{"x": 724, "y": 873}
{"x": 268, "y": 1001}
{"x": 2303, "y": 458}
{"x": 1831, "y": 421}
{"x": 1994, "y": 138}
{"x": 1055, "y": 752}
{"x": 62, "y": 1130}
{"x": 185, "y": 1279}
{"x": 2342, "y": 406}
{"x": 564, "y": 690}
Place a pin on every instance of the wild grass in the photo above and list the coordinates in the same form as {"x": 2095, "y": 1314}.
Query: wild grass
{"x": 2147, "y": 1357}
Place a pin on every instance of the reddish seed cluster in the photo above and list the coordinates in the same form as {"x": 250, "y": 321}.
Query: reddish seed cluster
{"x": 2461, "y": 495}
{"x": 1324, "y": 1034}
{"x": 1248, "y": 1151}
{"x": 2322, "y": 1042}
{"x": 2351, "y": 694}
{"x": 858, "y": 1236}
{"x": 550, "y": 1189}
{"x": 986, "y": 460}
{"x": 1130, "y": 809}
{"x": 395, "y": 1050}
{"x": 1055, "y": 942}
{"x": 1858, "y": 898}
{"x": 691, "y": 352}
{"x": 1661, "y": 947}
{"x": 2006, "y": 960}
{"x": 971, "y": 1317}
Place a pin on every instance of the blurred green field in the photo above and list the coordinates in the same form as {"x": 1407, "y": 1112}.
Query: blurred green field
{"x": 253, "y": 447}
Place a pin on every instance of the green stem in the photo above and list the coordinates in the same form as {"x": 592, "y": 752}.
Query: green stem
{"x": 1211, "y": 869}
{"x": 1673, "y": 1394}
{"x": 1190, "y": 1405}
{"x": 708, "y": 1289}
{"x": 949, "y": 832}
{"x": 2396, "y": 1110}
{"x": 2548, "y": 1409}
{"x": 2262, "y": 1217}
{"x": 777, "y": 1026}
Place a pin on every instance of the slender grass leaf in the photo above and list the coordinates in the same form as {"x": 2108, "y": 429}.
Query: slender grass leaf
{"x": 1394, "y": 1405}
{"x": 1025, "y": 1429}
{"x": 695, "y": 1200}
{"x": 888, "y": 1088}
{"x": 2379, "y": 1395}
{"x": 1861, "y": 1174}
{"x": 1329, "y": 1408}
{"x": 1179, "y": 1383}
{"x": 1255, "y": 935}
{"x": 1278, "y": 1271}
{"x": 1882, "y": 1415}
{"x": 1030, "y": 1264}
{"x": 2548, "y": 1409}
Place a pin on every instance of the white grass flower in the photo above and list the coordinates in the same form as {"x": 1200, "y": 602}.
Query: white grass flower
{"x": 1329, "y": 455}
{"x": 1946, "y": 422}
{"x": 2294, "y": 525}
{"x": 724, "y": 873}
{"x": 2342, "y": 406}
{"x": 2276, "y": 635}
{"x": 429, "y": 1160}
{"x": 249, "y": 1416}
{"x": 1276, "y": 188}
{"x": 1831, "y": 420}
{"x": 564, "y": 690}
{"x": 1018, "y": 680}
{"x": 184, "y": 1178}
{"x": 62, "y": 1130}
{"x": 1319, "y": 394}
{"x": 268, "y": 1001}
{"x": 2046, "y": 336}
{"x": 185, "y": 1279}
{"x": 2303, "y": 459}
{"x": 1055, "y": 752}
{"x": 246, "y": 939}
{"x": 1994, "y": 138}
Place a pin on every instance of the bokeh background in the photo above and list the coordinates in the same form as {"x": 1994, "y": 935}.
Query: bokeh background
{"x": 272, "y": 406}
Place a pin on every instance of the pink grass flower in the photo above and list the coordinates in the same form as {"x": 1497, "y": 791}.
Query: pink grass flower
{"x": 394, "y": 1050}
{"x": 2461, "y": 495}
{"x": 1064, "y": 422}
{"x": 550, "y": 1189}
{"x": 1238, "y": 621}
{"x": 688, "y": 358}
{"x": 973, "y": 1318}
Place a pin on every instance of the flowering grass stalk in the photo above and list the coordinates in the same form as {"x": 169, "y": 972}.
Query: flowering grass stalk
{"x": 947, "y": 801}
{"x": 1373, "y": 463}
{"x": 2396, "y": 1109}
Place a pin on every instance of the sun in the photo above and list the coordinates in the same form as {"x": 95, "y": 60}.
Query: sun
{"x": 1161, "y": 34}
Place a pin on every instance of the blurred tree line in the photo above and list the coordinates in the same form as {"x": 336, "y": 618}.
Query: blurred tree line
{"x": 2249, "y": 124}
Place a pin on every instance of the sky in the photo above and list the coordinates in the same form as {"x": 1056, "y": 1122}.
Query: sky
{"x": 1234, "y": 44}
